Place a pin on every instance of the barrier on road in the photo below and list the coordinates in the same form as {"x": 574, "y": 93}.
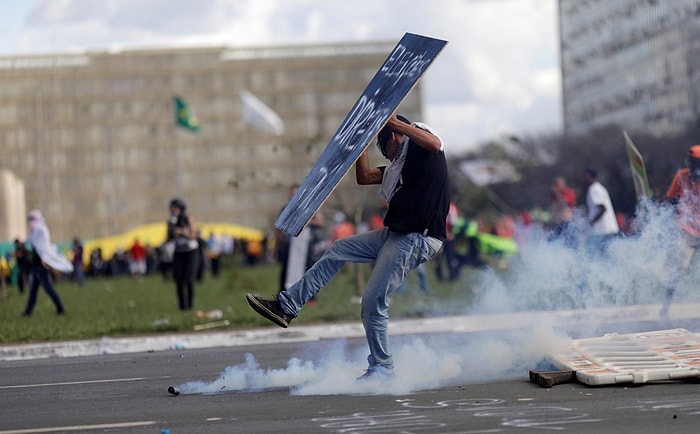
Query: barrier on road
{"x": 634, "y": 358}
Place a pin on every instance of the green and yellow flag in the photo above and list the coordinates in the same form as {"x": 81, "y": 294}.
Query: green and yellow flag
{"x": 638, "y": 169}
{"x": 184, "y": 115}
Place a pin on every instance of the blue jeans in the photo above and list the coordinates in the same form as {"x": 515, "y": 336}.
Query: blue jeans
{"x": 394, "y": 255}
{"x": 597, "y": 245}
{"x": 78, "y": 273}
{"x": 40, "y": 275}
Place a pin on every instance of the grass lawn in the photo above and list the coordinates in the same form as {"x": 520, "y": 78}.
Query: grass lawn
{"x": 123, "y": 306}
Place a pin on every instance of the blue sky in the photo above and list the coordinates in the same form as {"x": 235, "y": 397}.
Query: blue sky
{"x": 498, "y": 76}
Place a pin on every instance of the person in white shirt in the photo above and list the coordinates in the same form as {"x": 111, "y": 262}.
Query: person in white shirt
{"x": 601, "y": 214}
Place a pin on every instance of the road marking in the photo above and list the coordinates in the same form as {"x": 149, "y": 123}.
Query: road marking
{"x": 80, "y": 427}
{"x": 69, "y": 383}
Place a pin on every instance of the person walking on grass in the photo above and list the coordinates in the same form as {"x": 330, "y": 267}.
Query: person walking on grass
{"x": 416, "y": 186}
{"x": 183, "y": 233}
{"x": 45, "y": 259}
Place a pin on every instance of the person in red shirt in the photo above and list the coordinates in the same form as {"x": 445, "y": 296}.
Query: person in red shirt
{"x": 561, "y": 209}
{"x": 137, "y": 259}
{"x": 684, "y": 193}
{"x": 341, "y": 227}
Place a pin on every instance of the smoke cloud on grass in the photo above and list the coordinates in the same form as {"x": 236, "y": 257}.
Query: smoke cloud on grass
{"x": 547, "y": 277}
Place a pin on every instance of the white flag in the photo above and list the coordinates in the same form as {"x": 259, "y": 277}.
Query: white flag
{"x": 256, "y": 113}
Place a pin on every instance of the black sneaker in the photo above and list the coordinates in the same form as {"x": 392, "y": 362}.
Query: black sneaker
{"x": 270, "y": 309}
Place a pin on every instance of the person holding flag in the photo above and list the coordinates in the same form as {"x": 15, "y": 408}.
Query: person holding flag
{"x": 45, "y": 259}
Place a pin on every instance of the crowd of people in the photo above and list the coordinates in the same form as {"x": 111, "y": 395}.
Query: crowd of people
{"x": 182, "y": 258}
{"x": 185, "y": 259}
{"x": 418, "y": 222}
{"x": 470, "y": 241}
{"x": 142, "y": 259}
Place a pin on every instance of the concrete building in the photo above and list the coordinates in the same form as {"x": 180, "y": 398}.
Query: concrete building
{"x": 631, "y": 63}
{"x": 93, "y": 135}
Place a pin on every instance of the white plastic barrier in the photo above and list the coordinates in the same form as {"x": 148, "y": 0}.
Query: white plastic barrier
{"x": 635, "y": 358}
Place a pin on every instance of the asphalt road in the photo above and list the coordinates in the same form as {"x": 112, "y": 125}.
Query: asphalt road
{"x": 127, "y": 393}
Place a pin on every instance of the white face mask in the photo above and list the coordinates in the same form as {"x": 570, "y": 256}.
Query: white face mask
{"x": 392, "y": 173}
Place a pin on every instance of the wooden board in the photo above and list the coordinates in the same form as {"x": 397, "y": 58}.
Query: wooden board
{"x": 399, "y": 73}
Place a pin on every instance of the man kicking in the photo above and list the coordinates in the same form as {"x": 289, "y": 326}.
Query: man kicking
{"x": 415, "y": 185}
